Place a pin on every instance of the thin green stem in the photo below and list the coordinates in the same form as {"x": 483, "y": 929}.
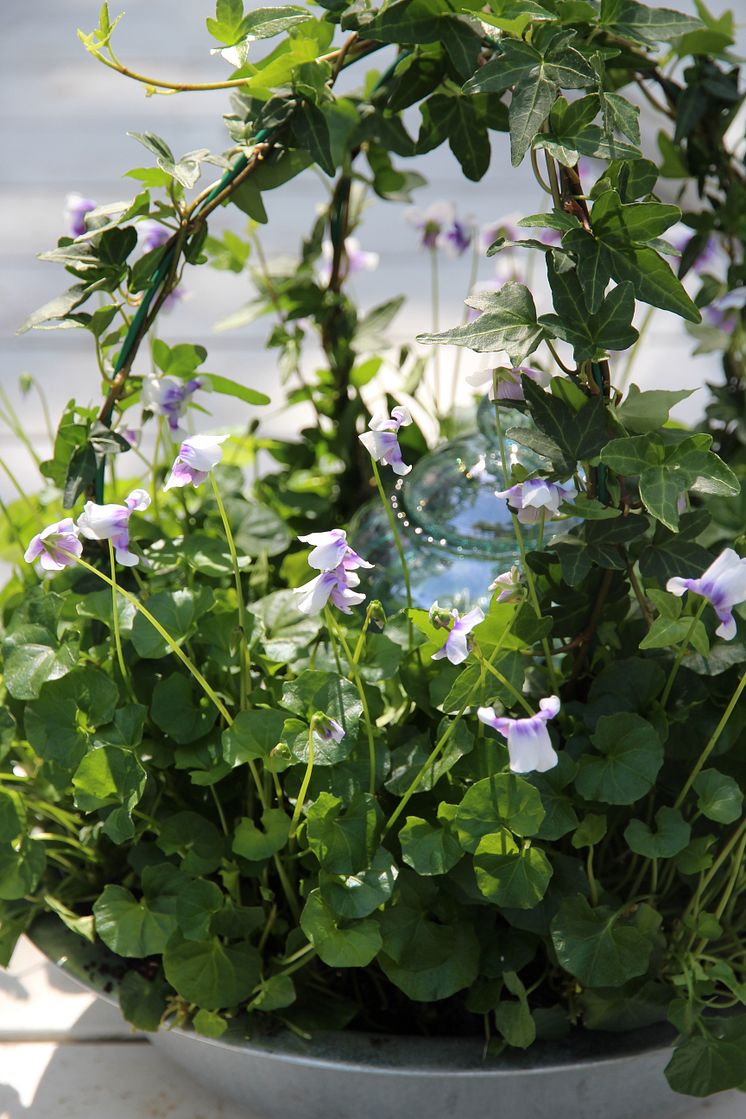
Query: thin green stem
{"x": 335, "y": 632}
{"x": 397, "y": 541}
{"x": 592, "y": 883}
{"x": 115, "y": 617}
{"x": 712, "y": 742}
{"x": 530, "y": 581}
{"x": 443, "y": 740}
{"x": 244, "y": 655}
{"x": 683, "y": 649}
{"x": 505, "y": 682}
{"x": 306, "y": 781}
{"x": 632, "y": 356}
{"x": 473, "y": 273}
{"x": 219, "y": 807}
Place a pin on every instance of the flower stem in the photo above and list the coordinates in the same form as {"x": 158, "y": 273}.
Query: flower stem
{"x": 444, "y": 739}
{"x": 397, "y": 541}
{"x": 244, "y": 655}
{"x": 712, "y": 743}
{"x": 473, "y": 272}
{"x": 305, "y": 783}
{"x": 336, "y": 632}
{"x": 684, "y": 648}
{"x": 115, "y": 617}
{"x": 505, "y": 682}
{"x": 632, "y": 357}
{"x": 435, "y": 321}
{"x": 522, "y": 549}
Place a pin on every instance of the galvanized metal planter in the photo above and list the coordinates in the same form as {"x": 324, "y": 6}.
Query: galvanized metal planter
{"x": 368, "y": 1076}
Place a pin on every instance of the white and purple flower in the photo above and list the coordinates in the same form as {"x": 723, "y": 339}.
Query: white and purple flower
{"x": 382, "y": 441}
{"x": 76, "y": 208}
{"x": 111, "y": 522}
{"x": 458, "y": 643}
{"x": 335, "y": 587}
{"x": 529, "y": 745}
{"x": 328, "y": 728}
{"x": 197, "y": 456}
{"x": 510, "y": 585}
{"x": 358, "y": 260}
{"x": 330, "y": 549}
{"x": 723, "y": 584}
{"x": 724, "y": 311}
{"x": 52, "y": 545}
{"x": 530, "y": 499}
{"x": 169, "y": 396}
{"x": 440, "y": 228}
{"x": 509, "y": 385}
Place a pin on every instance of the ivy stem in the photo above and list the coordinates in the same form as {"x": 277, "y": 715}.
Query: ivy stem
{"x": 305, "y": 783}
{"x": 537, "y": 173}
{"x": 336, "y": 632}
{"x": 565, "y": 368}
{"x": 712, "y": 742}
{"x": 443, "y": 740}
{"x": 397, "y": 540}
{"x": 244, "y": 655}
{"x": 683, "y": 649}
{"x": 522, "y": 549}
{"x": 115, "y": 616}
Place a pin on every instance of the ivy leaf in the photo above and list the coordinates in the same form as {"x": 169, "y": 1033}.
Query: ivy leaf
{"x": 311, "y": 131}
{"x": 643, "y": 412}
{"x": 178, "y": 612}
{"x": 609, "y": 328}
{"x": 344, "y": 839}
{"x": 598, "y": 946}
{"x": 505, "y": 800}
{"x": 508, "y": 322}
{"x": 672, "y": 834}
{"x": 529, "y": 108}
{"x": 354, "y": 896}
{"x": 577, "y": 434}
{"x": 719, "y": 796}
{"x": 265, "y": 23}
{"x": 227, "y": 27}
{"x": 631, "y": 755}
{"x": 132, "y": 928}
{"x": 509, "y": 875}
{"x": 429, "y": 849}
{"x": 260, "y": 843}
{"x": 353, "y": 945}
{"x": 631, "y": 20}
{"x": 210, "y": 973}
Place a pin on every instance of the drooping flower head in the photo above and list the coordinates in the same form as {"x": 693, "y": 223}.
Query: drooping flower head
{"x": 509, "y": 386}
{"x": 493, "y": 230}
{"x": 529, "y": 745}
{"x": 458, "y": 643}
{"x": 358, "y": 259}
{"x": 382, "y": 442}
{"x": 510, "y": 585}
{"x": 530, "y": 498}
{"x": 337, "y": 562}
{"x": 328, "y": 728}
{"x": 111, "y": 522}
{"x": 723, "y": 584}
{"x": 196, "y": 458}
{"x": 330, "y": 549}
{"x": 724, "y": 311}
{"x": 455, "y": 238}
{"x": 46, "y": 546}
{"x": 76, "y": 208}
{"x": 680, "y": 236}
{"x": 169, "y": 396}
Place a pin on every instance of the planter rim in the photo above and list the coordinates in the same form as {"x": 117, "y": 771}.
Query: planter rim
{"x": 386, "y": 1054}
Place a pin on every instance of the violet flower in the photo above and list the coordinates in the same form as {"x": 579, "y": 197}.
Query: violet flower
{"x": 723, "y": 584}
{"x": 76, "y": 208}
{"x": 330, "y": 549}
{"x": 153, "y": 235}
{"x": 196, "y": 458}
{"x": 724, "y": 311}
{"x": 335, "y": 587}
{"x": 357, "y": 259}
{"x": 328, "y": 728}
{"x": 440, "y": 228}
{"x": 381, "y": 441}
{"x": 46, "y": 546}
{"x": 509, "y": 385}
{"x": 111, "y": 522}
{"x": 529, "y": 745}
{"x": 510, "y": 584}
{"x": 169, "y": 396}
{"x": 458, "y": 643}
{"x": 489, "y": 233}
{"x": 530, "y": 498}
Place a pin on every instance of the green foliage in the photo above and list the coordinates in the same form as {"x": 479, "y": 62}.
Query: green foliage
{"x": 186, "y": 802}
